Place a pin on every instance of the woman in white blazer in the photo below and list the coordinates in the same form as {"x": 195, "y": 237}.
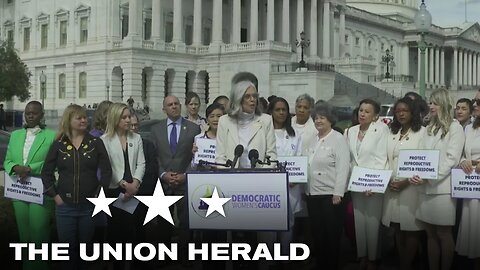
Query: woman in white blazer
{"x": 246, "y": 125}
{"x": 368, "y": 149}
{"x": 436, "y": 207}
{"x": 125, "y": 150}
{"x": 468, "y": 240}
{"x": 288, "y": 144}
{"x": 328, "y": 160}
{"x": 401, "y": 198}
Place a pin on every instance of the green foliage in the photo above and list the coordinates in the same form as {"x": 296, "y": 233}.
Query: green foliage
{"x": 14, "y": 74}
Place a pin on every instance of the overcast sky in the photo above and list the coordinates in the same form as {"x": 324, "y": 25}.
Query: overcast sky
{"x": 452, "y": 12}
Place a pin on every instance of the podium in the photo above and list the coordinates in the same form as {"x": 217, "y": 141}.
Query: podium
{"x": 259, "y": 199}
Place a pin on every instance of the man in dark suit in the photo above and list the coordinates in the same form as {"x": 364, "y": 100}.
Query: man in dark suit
{"x": 173, "y": 138}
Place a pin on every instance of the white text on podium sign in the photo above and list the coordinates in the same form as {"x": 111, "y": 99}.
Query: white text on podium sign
{"x": 297, "y": 168}
{"x": 206, "y": 150}
{"x": 465, "y": 185}
{"x": 31, "y": 191}
{"x": 423, "y": 163}
{"x": 363, "y": 179}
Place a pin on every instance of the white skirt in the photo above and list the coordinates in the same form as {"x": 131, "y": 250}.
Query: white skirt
{"x": 436, "y": 209}
{"x": 468, "y": 240}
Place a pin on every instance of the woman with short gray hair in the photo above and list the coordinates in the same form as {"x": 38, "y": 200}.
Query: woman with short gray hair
{"x": 302, "y": 122}
{"x": 246, "y": 125}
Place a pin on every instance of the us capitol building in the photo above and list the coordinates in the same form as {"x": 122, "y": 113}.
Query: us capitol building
{"x": 92, "y": 50}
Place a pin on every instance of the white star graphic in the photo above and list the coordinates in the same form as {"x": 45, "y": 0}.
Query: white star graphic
{"x": 215, "y": 203}
{"x": 158, "y": 204}
{"x": 101, "y": 203}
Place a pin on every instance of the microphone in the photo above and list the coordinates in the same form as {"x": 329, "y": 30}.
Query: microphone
{"x": 253, "y": 157}
{"x": 238, "y": 152}
{"x": 204, "y": 163}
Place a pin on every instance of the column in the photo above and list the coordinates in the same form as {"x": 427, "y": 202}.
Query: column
{"x": 132, "y": 74}
{"x": 217, "y": 22}
{"x": 177, "y": 21}
{"x": 313, "y": 28}
{"x": 157, "y": 24}
{"x": 342, "y": 31}
{"x": 442, "y": 66}
{"x": 197, "y": 23}
{"x": 469, "y": 68}
{"x": 405, "y": 59}
{"x": 133, "y": 18}
{"x": 236, "y": 23}
{"x": 253, "y": 20}
{"x": 157, "y": 84}
{"x": 271, "y": 20}
{"x": 431, "y": 68}
{"x": 326, "y": 30}
{"x": 465, "y": 67}
{"x": 474, "y": 79}
{"x": 437, "y": 66}
{"x": 460, "y": 67}
{"x": 285, "y": 21}
{"x": 300, "y": 18}
{"x": 471, "y": 71}
{"x": 178, "y": 83}
{"x": 455, "y": 67}
{"x": 419, "y": 55}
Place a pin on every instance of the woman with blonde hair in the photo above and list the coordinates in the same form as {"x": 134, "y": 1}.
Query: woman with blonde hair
{"x": 125, "y": 150}
{"x": 436, "y": 206}
{"x": 76, "y": 156}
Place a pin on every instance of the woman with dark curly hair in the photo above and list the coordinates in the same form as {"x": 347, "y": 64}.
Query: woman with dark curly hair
{"x": 401, "y": 198}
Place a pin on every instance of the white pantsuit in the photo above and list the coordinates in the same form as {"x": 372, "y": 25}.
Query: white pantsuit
{"x": 371, "y": 153}
{"x": 468, "y": 240}
{"x": 400, "y": 207}
{"x": 436, "y": 205}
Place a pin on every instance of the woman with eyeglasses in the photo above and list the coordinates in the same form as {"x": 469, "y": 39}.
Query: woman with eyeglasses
{"x": 436, "y": 207}
{"x": 401, "y": 198}
{"x": 468, "y": 240}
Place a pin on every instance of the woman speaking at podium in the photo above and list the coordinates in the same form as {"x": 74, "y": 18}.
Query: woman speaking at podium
{"x": 246, "y": 125}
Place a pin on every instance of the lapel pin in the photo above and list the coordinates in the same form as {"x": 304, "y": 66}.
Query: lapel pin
{"x": 184, "y": 127}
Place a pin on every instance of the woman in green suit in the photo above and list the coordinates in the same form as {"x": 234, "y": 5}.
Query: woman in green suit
{"x": 27, "y": 150}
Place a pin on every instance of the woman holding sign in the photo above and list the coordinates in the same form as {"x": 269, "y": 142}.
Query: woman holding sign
{"x": 328, "y": 158}
{"x": 368, "y": 149}
{"x": 213, "y": 112}
{"x": 401, "y": 198}
{"x": 25, "y": 156}
{"x": 287, "y": 144}
{"x": 468, "y": 240}
{"x": 436, "y": 207}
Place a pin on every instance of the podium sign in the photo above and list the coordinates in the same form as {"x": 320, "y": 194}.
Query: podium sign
{"x": 259, "y": 200}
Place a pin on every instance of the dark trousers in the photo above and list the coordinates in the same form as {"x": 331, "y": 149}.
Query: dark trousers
{"x": 326, "y": 222}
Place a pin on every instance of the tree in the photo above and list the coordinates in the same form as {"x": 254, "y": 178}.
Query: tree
{"x": 14, "y": 74}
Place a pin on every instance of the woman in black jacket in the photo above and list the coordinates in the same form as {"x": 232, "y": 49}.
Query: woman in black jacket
{"x": 77, "y": 156}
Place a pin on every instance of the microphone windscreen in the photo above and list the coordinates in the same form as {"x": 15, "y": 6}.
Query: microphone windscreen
{"x": 253, "y": 154}
{"x": 238, "y": 150}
